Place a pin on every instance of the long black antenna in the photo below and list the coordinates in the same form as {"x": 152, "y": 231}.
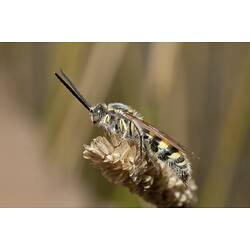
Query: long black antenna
{"x": 74, "y": 91}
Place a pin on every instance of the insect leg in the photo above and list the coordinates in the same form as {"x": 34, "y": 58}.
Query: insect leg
{"x": 139, "y": 134}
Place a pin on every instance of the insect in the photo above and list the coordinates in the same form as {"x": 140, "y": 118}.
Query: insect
{"x": 128, "y": 124}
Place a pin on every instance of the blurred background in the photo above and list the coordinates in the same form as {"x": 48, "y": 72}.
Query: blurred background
{"x": 196, "y": 92}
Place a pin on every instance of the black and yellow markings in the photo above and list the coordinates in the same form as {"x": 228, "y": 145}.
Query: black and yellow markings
{"x": 180, "y": 160}
{"x": 163, "y": 155}
{"x": 154, "y": 144}
{"x": 165, "y": 151}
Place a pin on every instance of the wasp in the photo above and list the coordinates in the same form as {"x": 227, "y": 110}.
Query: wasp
{"x": 128, "y": 124}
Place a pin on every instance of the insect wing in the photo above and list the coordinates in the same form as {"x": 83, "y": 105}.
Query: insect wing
{"x": 163, "y": 136}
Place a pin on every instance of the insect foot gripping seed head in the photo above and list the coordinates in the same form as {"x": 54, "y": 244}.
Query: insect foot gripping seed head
{"x": 120, "y": 163}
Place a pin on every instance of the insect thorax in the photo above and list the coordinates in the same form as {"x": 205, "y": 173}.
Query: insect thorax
{"x": 112, "y": 119}
{"x": 120, "y": 107}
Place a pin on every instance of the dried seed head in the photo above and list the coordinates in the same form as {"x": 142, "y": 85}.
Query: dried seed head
{"x": 121, "y": 163}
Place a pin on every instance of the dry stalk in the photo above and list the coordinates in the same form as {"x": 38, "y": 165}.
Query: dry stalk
{"x": 120, "y": 163}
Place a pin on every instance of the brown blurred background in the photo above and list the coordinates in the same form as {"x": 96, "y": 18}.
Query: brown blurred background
{"x": 196, "y": 92}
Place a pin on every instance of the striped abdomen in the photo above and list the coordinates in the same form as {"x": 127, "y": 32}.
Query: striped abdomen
{"x": 167, "y": 153}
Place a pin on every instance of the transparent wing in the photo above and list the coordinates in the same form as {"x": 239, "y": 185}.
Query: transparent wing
{"x": 165, "y": 137}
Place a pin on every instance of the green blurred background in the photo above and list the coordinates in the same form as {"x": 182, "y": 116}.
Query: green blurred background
{"x": 199, "y": 93}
